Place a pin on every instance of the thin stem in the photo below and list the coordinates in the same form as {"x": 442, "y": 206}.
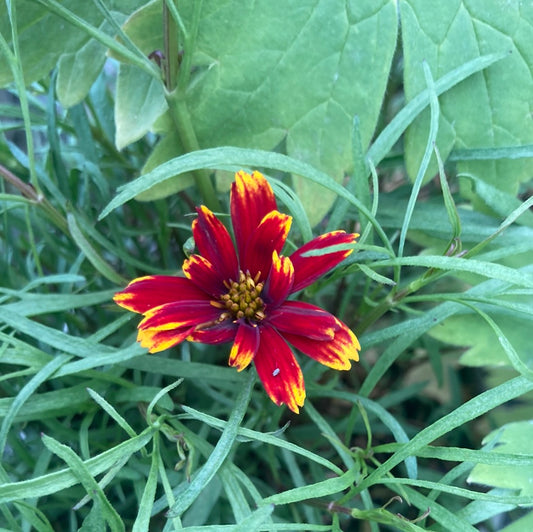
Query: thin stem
{"x": 15, "y": 64}
{"x": 182, "y": 122}
{"x": 170, "y": 38}
{"x": 29, "y": 192}
{"x": 176, "y": 81}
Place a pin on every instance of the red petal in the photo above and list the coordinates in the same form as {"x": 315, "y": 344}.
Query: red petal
{"x": 155, "y": 340}
{"x": 303, "y": 319}
{"x": 148, "y": 292}
{"x": 181, "y": 315}
{"x": 214, "y": 243}
{"x": 309, "y": 269}
{"x": 245, "y": 346}
{"x": 268, "y": 237}
{"x": 335, "y": 353}
{"x": 204, "y": 275}
{"x": 251, "y": 199}
{"x": 278, "y": 370}
{"x": 279, "y": 282}
{"x": 217, "y": 334}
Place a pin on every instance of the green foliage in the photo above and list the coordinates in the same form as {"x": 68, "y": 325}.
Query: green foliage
{"x": 488, "y": 109}
{"x": 514, "y": 438}
{"x": 110, "y": 102}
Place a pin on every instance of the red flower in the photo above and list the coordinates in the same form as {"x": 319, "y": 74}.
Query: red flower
{"x": 241, "y": 295}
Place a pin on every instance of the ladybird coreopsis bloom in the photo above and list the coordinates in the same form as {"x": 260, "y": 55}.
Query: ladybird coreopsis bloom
{"x": 239, "y": 293}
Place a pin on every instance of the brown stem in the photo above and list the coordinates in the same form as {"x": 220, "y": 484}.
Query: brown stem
{"x": 28, "y": 191}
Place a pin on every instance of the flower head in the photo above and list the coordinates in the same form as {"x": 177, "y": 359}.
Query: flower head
{"x": 240, "y": 293}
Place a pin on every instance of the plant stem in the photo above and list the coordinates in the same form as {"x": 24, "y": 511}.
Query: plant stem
{"x": 29, "y": 192}
{"x": 171, "y": 61}
{"x": 176, "y": 84}
{"x": 182, "y": 122}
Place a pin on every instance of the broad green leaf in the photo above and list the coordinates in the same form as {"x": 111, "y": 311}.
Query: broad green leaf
{"x": 490, "y": 109}
{"x": 512, "y": 438}
{"x": 166, "y": 149}
{"x": 54, "y": 36}
{"x": 261, "y": 79}
{"x": 484, "y": 348}
{"x": 77, "y": 71}
{"x": 304, "y": 80}
{"x": 140, "y": 99}
{"x": 502, "y": 203}
{"x": 524, "y": 523}
{"x": 144, "y": 27}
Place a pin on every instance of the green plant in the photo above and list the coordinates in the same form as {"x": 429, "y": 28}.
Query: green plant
{"x": 408, "y": 122}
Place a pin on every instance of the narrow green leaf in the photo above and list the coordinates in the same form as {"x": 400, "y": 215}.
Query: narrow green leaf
{"x": 142, "y": 522}
{"x": 462, "y": 492}
{"x": 454, "y": 264}
{"x": 470, "y": 410}
{"x": 257, "y": 518}
{"x": 28, "y": 389}
{"x": 60, "y": 480}
{"x": 219, "y": 453}
{"x": 63, "y": 342}
{"x": 79, "y": 469}
{"x": 269, "y": 439}
{"x": 422, "y": 169}
{"x": 36, "y": 304}
{"x": 451, "y": 209}
{"x": 442, "y": 515}
{"x": 325, "y": 488}
{"x": 384, "y": 416}
{"x": 92, "y": 255}
{"x": 221, "y": 158}
{"x": 112, "y": 412}
{"x": 392, "y": 133}
{"x": 491, "y": 154}
{"x": 459, "y": 454}
{"x": 369, "y": 272}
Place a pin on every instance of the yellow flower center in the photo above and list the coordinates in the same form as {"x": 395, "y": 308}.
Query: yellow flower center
{"x": 242, "y": 299}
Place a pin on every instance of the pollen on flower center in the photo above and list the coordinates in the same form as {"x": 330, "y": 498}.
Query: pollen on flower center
{"x": 242, "y": 299}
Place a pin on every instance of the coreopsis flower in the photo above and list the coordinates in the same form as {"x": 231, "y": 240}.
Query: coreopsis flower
{"x": 239, "y": 293}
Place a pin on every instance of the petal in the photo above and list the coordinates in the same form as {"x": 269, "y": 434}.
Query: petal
{"x": 155, "y": 340}
{"x": 279, "y": 282}
{"x": 220, "y": 333}
{"x": 303, "y": 319}
{"x": 204, "y": 275}
{"x": 335, "y": 353}
{"x": 181, "y": 315}
{"x": 309, "y": 269}
{"x": 214, "y": 243}
{"x": 245, "y": 346}
{"x": 278, "y": 370}
{"x": 268, "y": 237}
{"x": 152, "y": 291}
{"x": 251, "y": 199}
